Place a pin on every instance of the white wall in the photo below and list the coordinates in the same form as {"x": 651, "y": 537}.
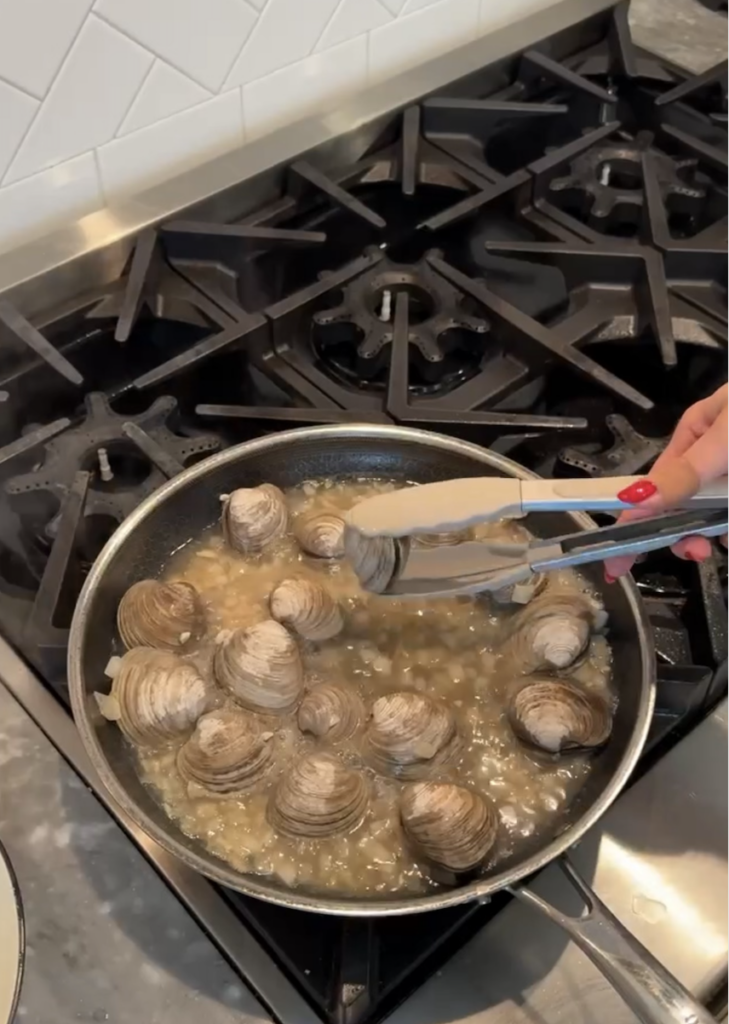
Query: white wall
{"x": 100, "y": 99}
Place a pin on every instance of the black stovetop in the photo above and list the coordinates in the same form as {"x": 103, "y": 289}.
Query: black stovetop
{"x": 538, "y": 265}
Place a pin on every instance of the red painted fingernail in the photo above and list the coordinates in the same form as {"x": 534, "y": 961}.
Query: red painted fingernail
{"x": 641, "y": 490}
{"x": 609, "y": 578}
{"x": 694, "y": 558}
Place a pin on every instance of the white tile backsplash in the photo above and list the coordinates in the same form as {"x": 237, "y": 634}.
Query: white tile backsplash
{"x": 47, "y": 200}
{"x": 35, "y": 36}
{"x": 17, "y": 110}
{"x": 138, "y": 161}
{"x": 108, "y": 97}
{"x": 164, "y": 92}
{"x": 351, "y": 20}
{"x": 286, "y": 31}
{"x": 92, "y": 93}
{"x": 201, "y": 38}
{"x": 420, "y": 36}
{"x": 303, "y": 88}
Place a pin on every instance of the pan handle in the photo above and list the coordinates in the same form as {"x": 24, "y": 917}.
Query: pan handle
{"x": 651, "y": 992}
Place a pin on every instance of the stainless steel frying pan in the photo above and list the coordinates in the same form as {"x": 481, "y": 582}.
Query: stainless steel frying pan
{"x": 189, "y": 503}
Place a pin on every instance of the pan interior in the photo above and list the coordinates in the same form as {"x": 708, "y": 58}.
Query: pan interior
{"x": 163, "y": 525}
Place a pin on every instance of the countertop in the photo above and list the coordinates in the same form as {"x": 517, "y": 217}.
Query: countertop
{"x": 106, "y": 939}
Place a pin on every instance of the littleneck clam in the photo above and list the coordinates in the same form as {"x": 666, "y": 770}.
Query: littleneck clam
{"x": 261, "y": 667}
{"x": 163, "y": 615}
{"x": 319, "y": 796}
{"x": 555, "y": 715}
{"x": 452, "y": 827}
{"x": 373, "y": 559}
{"x": 410, "y": 735}
{"x": 228, "y": 752}
{"x": 321, "y": 534}
{"x": 331, "y": 711}
{"x": 253, "y": 517}
{"x": 553, "y": 630}
{"x": 308, "y": 608}
{"x": 156, "y": 696}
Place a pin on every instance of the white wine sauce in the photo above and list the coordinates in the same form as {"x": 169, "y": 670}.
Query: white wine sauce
{"x": 446, "y": 648}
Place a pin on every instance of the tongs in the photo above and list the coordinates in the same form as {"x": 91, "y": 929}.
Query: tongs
{"x": 475, "y": 566}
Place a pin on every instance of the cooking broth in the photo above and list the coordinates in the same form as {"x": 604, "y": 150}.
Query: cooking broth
{"x": 446, "y": 648}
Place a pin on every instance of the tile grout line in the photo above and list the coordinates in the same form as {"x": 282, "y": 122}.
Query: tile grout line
{"x": 243, "y": 45}
{"x": 147, "y": 75}
{"x": 326, "y": 25}
{"x": 60, "y": 68}
{"x": 21, "y": 90}
{"x": 145, "y": 46}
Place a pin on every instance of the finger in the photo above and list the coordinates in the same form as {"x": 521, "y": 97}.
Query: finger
{"x": 616, "y": 567}
{"x": 697, "y": 419}
{"x": 693, "y": 549}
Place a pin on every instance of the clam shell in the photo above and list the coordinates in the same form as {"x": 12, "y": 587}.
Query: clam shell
{"x": 373, "y": 559}
{"x": 308, "y": 608}
{"x": 552, "y": 631}
{"x": 158, "y": 696}
{"x": 555, "y": 715}
{"x": 253, "y": 517}
{"x": 261, "y": 667}
{"x": 227, "y": 753}
{"x": 450, "y": 826}
{"x": 163, "y": 615}
{"x": 321, "y": 534}
{"x": 319, "y": 796}
{"x": 331, "y": 711}
{"x": 441, "y": 540}
{"x": 410, "y": 735}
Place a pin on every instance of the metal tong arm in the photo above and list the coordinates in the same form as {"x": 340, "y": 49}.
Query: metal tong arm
{"x": 493, "y": 566}
{"x": 631, "y": 538}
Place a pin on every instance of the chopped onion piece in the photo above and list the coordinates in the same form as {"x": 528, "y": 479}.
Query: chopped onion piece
{"x": 112, "y": 666}
{"x": 108, "y": 706}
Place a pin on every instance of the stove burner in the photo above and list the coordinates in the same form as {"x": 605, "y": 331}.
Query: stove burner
{"x": 127, "y": 458}
{"x": 610, "y": 177}
{"x": 631, "y": 452}
{"x": 355, "y": 338}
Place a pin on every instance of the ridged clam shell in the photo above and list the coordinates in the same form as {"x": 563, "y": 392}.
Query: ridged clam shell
{"x": 162, "y": 615}
{"x": 253, "y": 517}
{"x": 321, "y": 534}
{"x": 552, "y": 631}
{"x": 261, "y": 667}
{"x": 319, "y": 796}
{"x": 555, "y": 715}
{"x": 158, "y": 696}
{"x": 332, "y": 712}
{"x": 228, "y": 752}
{"x": 453, "y": 827}
{"x": 373, "y": 559}
{"x": 410, "y": 735}
{"x": 308, "y": 608}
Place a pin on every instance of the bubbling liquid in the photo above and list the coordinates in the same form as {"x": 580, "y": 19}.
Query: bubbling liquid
{"x": 446, "y": 648}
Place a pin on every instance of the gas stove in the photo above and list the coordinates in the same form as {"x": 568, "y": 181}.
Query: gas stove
{"x": 533, "y": 258}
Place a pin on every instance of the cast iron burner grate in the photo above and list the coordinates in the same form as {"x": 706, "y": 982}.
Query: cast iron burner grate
{"x": 355, "y": 337}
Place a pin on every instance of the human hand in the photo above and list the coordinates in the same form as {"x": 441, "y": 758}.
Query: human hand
{"x": 695, "y": 455}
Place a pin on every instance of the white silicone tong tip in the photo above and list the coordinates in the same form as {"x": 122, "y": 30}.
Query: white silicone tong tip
{"x": 437, "y": 508}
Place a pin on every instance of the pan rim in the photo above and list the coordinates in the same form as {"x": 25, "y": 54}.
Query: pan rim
{"x": 209, "y": 866}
